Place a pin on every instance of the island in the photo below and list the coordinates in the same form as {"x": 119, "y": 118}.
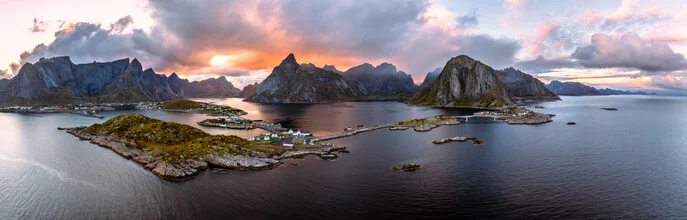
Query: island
{"x": 184, "y": 105}
{"x": 238, "y": 122}
{"x": 408, "y": 167}
{"x": 474, "y": 140}
{"x": 179, "y": 152}
{"x": 517, "y": 115}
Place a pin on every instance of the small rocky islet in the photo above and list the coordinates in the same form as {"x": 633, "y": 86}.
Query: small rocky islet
{"x": 179, "y": 152}
{"x": 407, "y": 167}
{"x": 474, "y": 140}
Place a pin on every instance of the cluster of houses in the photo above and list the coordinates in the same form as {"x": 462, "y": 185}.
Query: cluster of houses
{"x": 351, "y": 128}
{"x": 285, "y": 139}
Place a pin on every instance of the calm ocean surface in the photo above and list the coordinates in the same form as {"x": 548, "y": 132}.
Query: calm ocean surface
{"x": 630, "y": 163}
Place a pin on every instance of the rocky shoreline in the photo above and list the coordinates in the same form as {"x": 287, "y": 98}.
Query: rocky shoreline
{"x": 474, "y": 140}
{"x": 189, "y": 168}
{"x": 530, "y": 120}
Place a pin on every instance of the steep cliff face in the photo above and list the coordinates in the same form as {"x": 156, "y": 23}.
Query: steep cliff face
{"x": 381, "y": 82}
{"x": 294, "y": 83}
{"x": 249, "y": 90}
{"x": 57, "y": 81}
{"x": 464, "y": 82}
{"x": 572, "y": 88}
{"x": 431, "y": 76}
{"x": 524, "y": 86}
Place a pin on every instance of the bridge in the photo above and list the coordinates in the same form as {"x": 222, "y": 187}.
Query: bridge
{"x": 390, "y": 125}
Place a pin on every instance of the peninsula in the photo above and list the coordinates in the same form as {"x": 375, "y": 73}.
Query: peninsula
{"x": 179, "y": 152}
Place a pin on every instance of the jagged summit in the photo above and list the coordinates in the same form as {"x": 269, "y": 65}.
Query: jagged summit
{"x": 289, "y": 65}
{"x": 293, "y": 83}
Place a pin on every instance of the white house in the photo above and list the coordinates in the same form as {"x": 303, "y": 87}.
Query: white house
{"x": 250, "y": 139}
{"x": 267, "y": 138}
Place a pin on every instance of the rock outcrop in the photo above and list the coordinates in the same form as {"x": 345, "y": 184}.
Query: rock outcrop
{"x": 57, "y": 81}
{"x": 294, "y": 83}
{"x": 464, "y": 82}
{"x": 521, "y": 85}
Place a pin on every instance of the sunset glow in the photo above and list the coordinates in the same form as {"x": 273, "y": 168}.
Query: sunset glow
{"x": 416, "y": 36}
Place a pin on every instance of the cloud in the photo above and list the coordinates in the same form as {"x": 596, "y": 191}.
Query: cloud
{"x": 631, "y": 15}
{"x": 122, "y": 24}
{"x": 629, "y": 51}
{"x": 496, "y": 52}
{"x": 38, "y": 26}
{"x": 512, "y": 12}
{"x": 468, "y": 20}
{"x": 236, "y": 37}
{"x": 5, "y": 74}
{"x": 86, "y": 42}
{"x": 541, "y": 64}
{"x": 671, "y": 83}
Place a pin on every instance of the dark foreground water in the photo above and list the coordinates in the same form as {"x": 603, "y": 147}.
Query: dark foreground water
{"x": 626, "y": 164}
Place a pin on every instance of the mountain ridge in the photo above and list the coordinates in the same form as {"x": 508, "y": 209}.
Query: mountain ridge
{"x": 58, "y": 80}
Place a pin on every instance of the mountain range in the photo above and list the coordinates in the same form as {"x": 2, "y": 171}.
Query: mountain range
{"x": 463, "y": 81}
{"x": 579, "y": 89}
{"x": 291, "y": 82}
{"x": 57, "y": 80}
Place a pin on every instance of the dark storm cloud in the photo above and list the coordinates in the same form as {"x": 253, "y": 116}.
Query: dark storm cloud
{"x": 38, "y": 26}
{"x": 369, "y": 28}
{"x": 629, "y": 51}
{"x": 86, "y": 42}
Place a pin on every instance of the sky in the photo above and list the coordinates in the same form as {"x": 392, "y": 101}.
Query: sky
{"x": 621, "y": 44}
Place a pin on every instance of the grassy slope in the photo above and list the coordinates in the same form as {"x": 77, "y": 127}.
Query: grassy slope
{"x": 175, "y": 142}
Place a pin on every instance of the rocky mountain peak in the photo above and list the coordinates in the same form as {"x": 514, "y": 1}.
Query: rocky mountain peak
{"x": 308, "y": 65}
{"x": 61, "y": 59}
{"x": 463, "y": 60}
{"x": 289, "y": 64}
{"x": 331, "y": 68}
{"x": 134, "y": 67}
{"x": 386, "y": 68}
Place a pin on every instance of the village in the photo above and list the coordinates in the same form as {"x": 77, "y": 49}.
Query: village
{"x": 83, "y": 109}
{"x": 285, "y": 139}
